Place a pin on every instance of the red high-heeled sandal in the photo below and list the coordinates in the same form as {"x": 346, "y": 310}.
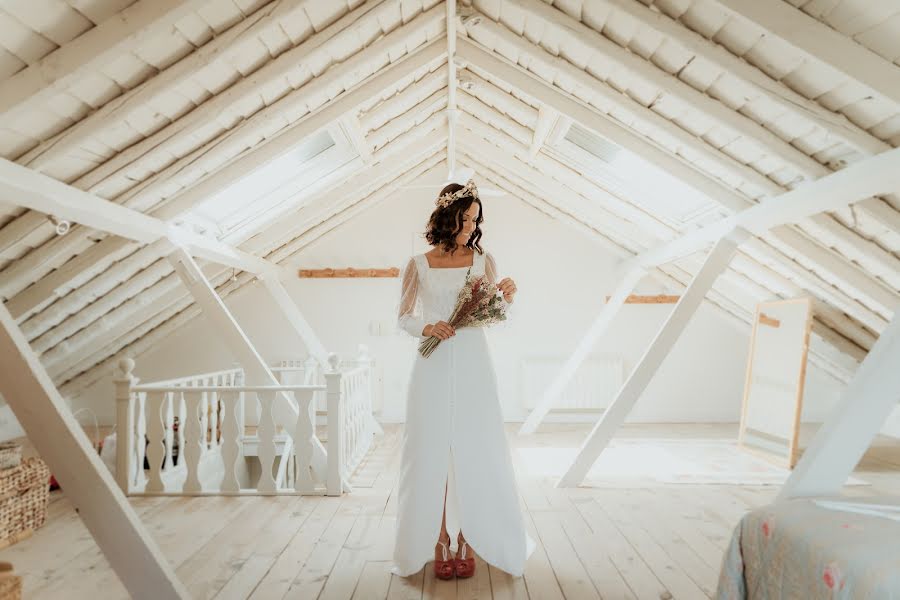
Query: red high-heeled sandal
{"x": 465, "y": 566}
{"x": 445, "y": 569}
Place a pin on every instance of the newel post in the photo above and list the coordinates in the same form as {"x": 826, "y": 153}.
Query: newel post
{"x": 365, "y": 359}
{"x": 124, "y": 381}
{"x": 333, "y": 484}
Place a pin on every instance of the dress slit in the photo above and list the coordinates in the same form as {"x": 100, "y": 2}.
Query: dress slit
{"x": 452, "y": 502}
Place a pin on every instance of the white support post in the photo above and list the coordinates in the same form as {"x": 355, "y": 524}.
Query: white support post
{"x": 873, "y": 176}
{"x": 601, "y": 324}
{"x": 257, "y": 372}
{"x": 39, "y": 192}
{"x": 335, "y": 480}
{"x": 275, "y": 287}
{"x": 124, "y": 381}
{"x": 365, "y": 359}
{"x": 61, "y": 442}
{"x": 865, "y": 405}
{"x": 716, "y": 262}
{"x": 255, "y": 369}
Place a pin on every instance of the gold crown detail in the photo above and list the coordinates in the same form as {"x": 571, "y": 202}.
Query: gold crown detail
{"x": 450, "y": 197}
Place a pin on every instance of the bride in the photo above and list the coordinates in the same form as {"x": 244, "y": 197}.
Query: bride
{"x": 456, "y": 473}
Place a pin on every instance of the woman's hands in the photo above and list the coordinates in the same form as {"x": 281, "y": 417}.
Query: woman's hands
{"x": 441, "y": 330}
{"x": 508, "y": 287}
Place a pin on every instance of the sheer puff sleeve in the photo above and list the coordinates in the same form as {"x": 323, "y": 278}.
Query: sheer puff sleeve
{"x": 490, "y": 270}
{"x": 409, "y": 317}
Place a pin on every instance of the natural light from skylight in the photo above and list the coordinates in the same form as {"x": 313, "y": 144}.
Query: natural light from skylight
{"x": 632, "y": 178}
{"x": 274, "y": 189}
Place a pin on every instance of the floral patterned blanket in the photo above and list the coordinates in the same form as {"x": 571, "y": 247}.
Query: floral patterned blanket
{"x": 815, "y": 548}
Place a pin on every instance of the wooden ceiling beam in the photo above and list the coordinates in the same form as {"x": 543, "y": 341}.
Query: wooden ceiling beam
{"x": 824, "y": 355}
{"x": 87, "y": 53}
{"x": 836, "y": 125}
{"x": 820, "y": 43}
{"x": 522, "y": 191}
{"x": 184, "y": 201}
{"x": 728, "y": 170}
{"x": 871, "y": 177}
{"x": 379, "y": 112}
{"x": 588, "y": 116}
{"x": 500, "y": 153}
{"x": 547, "y": 94}
{"x": 636, "y": 66}
{"x": 758, "y": 253}
{"x": 224, "y": 47}
{"x": 36, "y": 191}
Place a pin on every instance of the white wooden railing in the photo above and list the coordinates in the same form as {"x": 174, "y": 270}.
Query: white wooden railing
{"x": 202, "y": 418}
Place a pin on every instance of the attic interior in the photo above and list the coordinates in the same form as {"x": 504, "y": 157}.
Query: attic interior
{"x": 206, "y": 209}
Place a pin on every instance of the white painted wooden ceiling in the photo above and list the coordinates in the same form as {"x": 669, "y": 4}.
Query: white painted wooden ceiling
{"x": 722, "y": 103}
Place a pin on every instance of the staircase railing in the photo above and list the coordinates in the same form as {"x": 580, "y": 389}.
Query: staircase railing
{"x": 188, "y": 436}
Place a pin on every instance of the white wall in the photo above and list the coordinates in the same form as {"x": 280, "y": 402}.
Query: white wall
{"x": 9, "y": 425}
{"x": 892, "y": 425}
{"x": 562, "y": 276}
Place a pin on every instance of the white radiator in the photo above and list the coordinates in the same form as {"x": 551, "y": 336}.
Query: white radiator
{"x": 593, "y": 387}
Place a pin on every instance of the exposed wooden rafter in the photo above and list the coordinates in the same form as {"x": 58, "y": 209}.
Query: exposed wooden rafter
{"x": 142, "y": 337}
{"x": 871, "y": 177}
{"x": 756, "y": 257}
{"x": 510, "y": 86}
{"x": 181, "y": 203}
{"x": 88, "y": 53}
{"x": 651, "y": 75}
{"x": 39, "y": 192}
{"x": 820, "y": 43}
{"x": 776, "y": 92}
{"x": 225, "y": 47}
{"x": 728, "y": 170}
{"x": 547, "y": 94}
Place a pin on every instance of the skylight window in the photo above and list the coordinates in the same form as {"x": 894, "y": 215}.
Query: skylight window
{"x": 632, "y": 178}
{"x": 277, "y": 187}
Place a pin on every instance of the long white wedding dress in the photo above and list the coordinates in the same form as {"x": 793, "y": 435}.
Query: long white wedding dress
{"x": 454, "y": 435}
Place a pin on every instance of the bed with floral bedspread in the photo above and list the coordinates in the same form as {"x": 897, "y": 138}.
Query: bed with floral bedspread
{"x": 815, "y": 548}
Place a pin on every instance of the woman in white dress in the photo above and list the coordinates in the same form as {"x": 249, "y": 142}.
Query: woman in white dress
{"x": 456, "y": 473}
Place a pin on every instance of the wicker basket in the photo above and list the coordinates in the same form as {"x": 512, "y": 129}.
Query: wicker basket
{"x": 10, "y": 583}
{"x": 10, "y": 455}
{"x": 24, "y": 493}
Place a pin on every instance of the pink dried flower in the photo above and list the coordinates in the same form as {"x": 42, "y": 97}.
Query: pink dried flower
{"x": 832, "y": 576}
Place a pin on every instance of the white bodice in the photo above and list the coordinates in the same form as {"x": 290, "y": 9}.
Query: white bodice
{"x": 429, "y": 295}
{"x": 439, "y": 287}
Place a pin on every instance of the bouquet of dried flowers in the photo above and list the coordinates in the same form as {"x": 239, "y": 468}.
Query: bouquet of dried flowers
{"x": 478, "y": 304}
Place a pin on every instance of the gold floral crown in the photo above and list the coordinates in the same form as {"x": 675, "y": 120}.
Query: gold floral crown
{"x": 450, "y": 197}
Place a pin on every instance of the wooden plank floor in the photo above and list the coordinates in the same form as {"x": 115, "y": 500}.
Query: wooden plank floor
{"x": 646, "y": 540}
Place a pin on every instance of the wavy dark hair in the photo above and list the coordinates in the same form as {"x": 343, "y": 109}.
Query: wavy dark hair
{"x": 446, "y": 223}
